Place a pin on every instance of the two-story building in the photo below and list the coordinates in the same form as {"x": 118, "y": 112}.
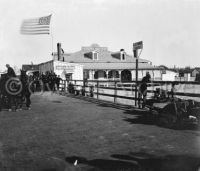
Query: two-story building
{"x": 100, "y": 63}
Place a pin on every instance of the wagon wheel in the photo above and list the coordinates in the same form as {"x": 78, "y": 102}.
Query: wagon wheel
{"x": 167, "y": 120}
{"x": 172, "y": 121}
{"x": 162, "y": 121}
{"x": 198, "y": 119}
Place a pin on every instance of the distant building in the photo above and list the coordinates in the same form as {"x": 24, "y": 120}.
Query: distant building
{"x": 65, "y": 70}
{"x": 100, "y": 63}
{"x": 30, "y": 68}
{"x": 169, "y": 75}
{"x": 195, "y": 72}
{"x": 186, "y": 74}
{"x": 27, "y": 67}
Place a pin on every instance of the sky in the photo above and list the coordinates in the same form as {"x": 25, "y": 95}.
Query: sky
{"x": 169, "y": 29}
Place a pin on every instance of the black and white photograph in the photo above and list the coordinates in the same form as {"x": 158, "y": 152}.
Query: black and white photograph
{"x": 99, "y": 85}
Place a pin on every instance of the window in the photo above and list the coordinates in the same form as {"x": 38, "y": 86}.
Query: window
{"x": 95, "y": 56}
{"x": 123, "y": 57}
{"x": 86, "y": 75}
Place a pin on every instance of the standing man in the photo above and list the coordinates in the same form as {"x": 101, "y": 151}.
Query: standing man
{"x": 10, "y": 72}
{"x": 143, "y": 90}
{"x": 58, "y": 79}
{"x": 11, "y": 99}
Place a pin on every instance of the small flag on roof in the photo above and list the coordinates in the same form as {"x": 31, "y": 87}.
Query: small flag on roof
{"x": 36, "y": 26}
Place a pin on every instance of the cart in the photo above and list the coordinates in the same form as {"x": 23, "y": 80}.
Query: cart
{"x": 174, "y": 112}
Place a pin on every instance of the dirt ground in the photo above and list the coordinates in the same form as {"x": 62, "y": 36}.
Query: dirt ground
{"x": 64, "y": 133}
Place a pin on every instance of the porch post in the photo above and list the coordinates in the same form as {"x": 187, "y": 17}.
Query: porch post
{"x": 120, "y": 77}
{"x": 107, "y": 74}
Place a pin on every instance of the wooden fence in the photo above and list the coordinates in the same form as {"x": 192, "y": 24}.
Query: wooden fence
{"x": 126, "y": 90}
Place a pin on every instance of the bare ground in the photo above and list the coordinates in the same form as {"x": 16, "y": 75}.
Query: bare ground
{"x": 64, "y": 133}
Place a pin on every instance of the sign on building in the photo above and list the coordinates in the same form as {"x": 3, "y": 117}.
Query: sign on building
{"x": 68, "y": 69}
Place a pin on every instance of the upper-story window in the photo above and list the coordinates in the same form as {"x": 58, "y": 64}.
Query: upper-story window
{"x": 123, "y": 56}
{"x": 95, "y": 55}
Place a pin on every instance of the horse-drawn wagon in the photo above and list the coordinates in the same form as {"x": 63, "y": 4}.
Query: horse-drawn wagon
{"x": 14, "y": 91}
{"x": 174, "y": 112}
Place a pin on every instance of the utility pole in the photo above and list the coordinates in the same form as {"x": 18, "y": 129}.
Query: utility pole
{"x": 136, "y": 74}
{"x": 136, "y": 47}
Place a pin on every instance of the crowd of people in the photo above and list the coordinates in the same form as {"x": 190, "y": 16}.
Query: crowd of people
{"x": 15, "y": 90}
{"x": 48, "y": 81}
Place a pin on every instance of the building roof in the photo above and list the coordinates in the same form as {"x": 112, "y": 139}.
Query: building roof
{"x": 185, "y": 71}
{"x": 106, "y": 59}
{"x": 30, "y": 67}
{"x": 197, "y": 69}
{"x": 104, "y": 55}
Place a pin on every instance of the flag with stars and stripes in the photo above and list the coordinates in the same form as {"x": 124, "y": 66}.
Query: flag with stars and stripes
{"x": 36, "y": 26}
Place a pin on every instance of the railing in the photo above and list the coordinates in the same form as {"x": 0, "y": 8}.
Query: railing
{"x": 117, "y": 91}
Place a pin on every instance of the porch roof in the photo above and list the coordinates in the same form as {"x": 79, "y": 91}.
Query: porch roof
{"x": 117, "y": 66}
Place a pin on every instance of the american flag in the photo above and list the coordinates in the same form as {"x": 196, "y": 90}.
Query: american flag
{"x": 36, "y": 26}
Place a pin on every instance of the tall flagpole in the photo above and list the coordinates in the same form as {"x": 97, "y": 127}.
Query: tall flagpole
{"x": 52, "y": 44}
{"x": 51, "y": 34}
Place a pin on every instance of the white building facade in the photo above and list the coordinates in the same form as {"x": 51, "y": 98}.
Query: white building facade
{"x": 101, "y": 64}
{"x": 63, "y": 69}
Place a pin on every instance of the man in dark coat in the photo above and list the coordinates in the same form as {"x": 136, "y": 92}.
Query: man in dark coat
{"x": 11, "y": 99}
{"x": 143, "y": 90}
{"x": 10, "y": 72}
{"x": 58, "y": 79}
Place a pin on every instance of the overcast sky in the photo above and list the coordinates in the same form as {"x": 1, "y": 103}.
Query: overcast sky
{"x": 169, "y": 29}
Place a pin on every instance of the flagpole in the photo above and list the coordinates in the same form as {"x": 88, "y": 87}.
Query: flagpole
{"x": 51, "y": 34}
{"x": 52, "y": 44}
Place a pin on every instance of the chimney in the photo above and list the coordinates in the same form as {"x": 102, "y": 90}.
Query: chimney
{"x": 59, "y": 50}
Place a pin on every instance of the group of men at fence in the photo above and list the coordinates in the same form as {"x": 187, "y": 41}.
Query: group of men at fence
{"x": 158, "y": 94}
{"x": 47, "y": 82}
{"x": 29, "y": 84}
{"x": 14, "y": 90}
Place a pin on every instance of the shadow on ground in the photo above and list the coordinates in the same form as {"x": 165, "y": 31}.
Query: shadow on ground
{"x": 147, "y": 118}
{"x": 101, "y": 103}
{"x": 140, "y": 162}
{"x": 104, "y": 164}
{"x": 141, "y": 116}
{"x": 165, "y": 163}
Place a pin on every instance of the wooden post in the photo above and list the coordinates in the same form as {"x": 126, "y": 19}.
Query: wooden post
{"x": 136, "y": 77}
{"x": 136, "y": 47}
{"x": 97, "y": 89}
{"x": 64, "y": 86}
{"x": 115, "y": 92}
{"x": 83, "y": 89}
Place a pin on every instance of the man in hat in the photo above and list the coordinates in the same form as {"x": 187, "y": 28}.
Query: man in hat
{"x": 10, "y": 72}
{"x": 143, "y": 89}
{"x": 11, "y": 98}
